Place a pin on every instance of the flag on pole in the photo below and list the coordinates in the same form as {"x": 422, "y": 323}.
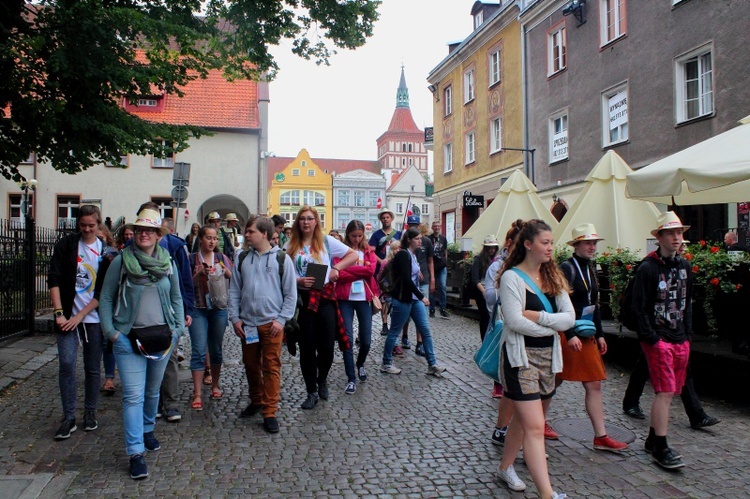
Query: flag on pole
{"x": 408, "y": 211}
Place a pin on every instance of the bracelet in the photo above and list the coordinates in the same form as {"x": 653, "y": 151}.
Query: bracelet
{"x": 334, "y": 268}
{"x": 57, "y": 310}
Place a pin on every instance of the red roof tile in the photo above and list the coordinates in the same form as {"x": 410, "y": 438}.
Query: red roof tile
{"x": 277, "y": 164}
{"x": 402, "y": 121}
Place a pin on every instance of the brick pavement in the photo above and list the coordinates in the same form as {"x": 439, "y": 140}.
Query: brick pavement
{"x": 397, "y": 436}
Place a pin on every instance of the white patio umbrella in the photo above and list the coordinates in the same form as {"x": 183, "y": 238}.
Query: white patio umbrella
{"x": 716, "y": 170}
{"x": 517, "y": 198}
{"x": 622, "y": 222}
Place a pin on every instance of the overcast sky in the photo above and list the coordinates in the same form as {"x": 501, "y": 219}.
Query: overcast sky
{"x": 339, "y": 111}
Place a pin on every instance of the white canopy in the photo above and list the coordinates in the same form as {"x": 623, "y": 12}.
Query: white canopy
{"x": 622, "y": 222}
{"x": 716, "y": 170}
{"x": 517, "y": 198}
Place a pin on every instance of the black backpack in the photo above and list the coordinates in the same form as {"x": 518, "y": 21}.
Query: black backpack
{"x": 628, "y": 317}
{"x": 386, "y": 281}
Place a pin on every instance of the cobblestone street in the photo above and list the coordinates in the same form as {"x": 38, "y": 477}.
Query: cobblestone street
{"x": 407, "y": 435}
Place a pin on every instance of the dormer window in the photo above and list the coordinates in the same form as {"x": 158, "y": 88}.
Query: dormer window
{"x": 147, "y": 102}
{"x": 478, "y": 19}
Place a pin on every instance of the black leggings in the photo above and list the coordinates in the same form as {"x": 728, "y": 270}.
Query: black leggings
{"x": 484, "y": 315}
{"x": 317, "y": 338}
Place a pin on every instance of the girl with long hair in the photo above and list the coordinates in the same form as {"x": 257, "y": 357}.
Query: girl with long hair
{"x": 354, "y": 291}
{"x": 318, "y": 315}
{"x": 478, "y": 270}
{"x": 192, "y": 238}
{"x": 530, "y": 348}
{"x": 394, "y": 248}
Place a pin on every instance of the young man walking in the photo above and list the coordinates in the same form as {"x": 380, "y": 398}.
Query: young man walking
{"x": 439, "y": 259}
{"x": 262, "y": 298}
{"x": 661, "y": 301}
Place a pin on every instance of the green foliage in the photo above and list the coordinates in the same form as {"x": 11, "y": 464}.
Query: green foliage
{"x": 67, "y": 65}
{"x": 562, "y": 253}
{"x": 620, "y": 267}
{"x": 454, "y": 247}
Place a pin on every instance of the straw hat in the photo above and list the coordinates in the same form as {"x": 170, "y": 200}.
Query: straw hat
{"x": 214, "y": 215}
{"x": 490, "y": 240}
{"x": 231, "y": 217}
{"x": 150, "y": 219}
{"x": 385, "y": 210}
{"x": 668, "y": 220}
{"x": 584, "y": 232}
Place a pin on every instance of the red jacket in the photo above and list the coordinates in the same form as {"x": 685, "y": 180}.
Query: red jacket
{"x": 365, "y": 272}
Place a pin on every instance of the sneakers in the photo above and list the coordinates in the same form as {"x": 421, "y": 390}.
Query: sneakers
{"x": 251, "y": 410}
{"x": 351, "y": 387}
{"x": 444, "y": 314}
{"x": 310, "y": 402}
{"x": 405, "y": 344}
{"x": 138, "y": 469}
{"x": 668, "y": 459}
{"x": 549, "y": 433}
{"x": 397, "y": 351}
{"x": 323, "y": 390}
{"x": 556, "y": 495}
{"x": 180, "y": 355}
{"x": 419, "y": 350}
{"x": 498, "y": 435}
{"x": 497, "y": 391}
{"x": 384, "y": 331}
{"x": 271, "y": 425}
{"x": 436, "y": 370}
{"x": 89, "y": 421}
{"x": 67, "y": 427}
{"x": 389, "y": 369}
{"x": 648, "y": 445}
{"x": 432, "y": 314}
{"x": 707, "y": 421}
{"x": 634, "y": 412}
{"x": 172, "y": 415}
{"x": 362, "y": 374}
{"x": 610, "y": 444}
{"x": 150, "y": 442}
{"x": 510, "y": 477}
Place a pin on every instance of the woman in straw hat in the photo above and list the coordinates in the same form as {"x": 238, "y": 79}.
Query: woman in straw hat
{"x": 141, "y": 313}
{"x": 479, "y": 268}
{"x": 582, "y": 351}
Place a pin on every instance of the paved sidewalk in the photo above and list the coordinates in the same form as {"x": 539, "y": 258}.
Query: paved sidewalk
{"x": 398, "y": 436}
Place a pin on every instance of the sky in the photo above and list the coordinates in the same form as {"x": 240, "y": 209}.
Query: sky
{"x": 339, "y": 111}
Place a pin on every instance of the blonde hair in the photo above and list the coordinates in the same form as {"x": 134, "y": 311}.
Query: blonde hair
{"x": 392, "y": 250}
{"x": 317, "y": 245}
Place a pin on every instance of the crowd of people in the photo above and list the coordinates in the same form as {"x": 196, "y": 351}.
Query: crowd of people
{"x": 130, "y": 298}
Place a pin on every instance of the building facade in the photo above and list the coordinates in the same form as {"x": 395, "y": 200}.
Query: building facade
{"x": 409, "y": 192}
{"x": 477, "y": 116}
{"x": 224, "y": 166}
{"x": 357, "y": 195}
{"x": 645, "y": 79}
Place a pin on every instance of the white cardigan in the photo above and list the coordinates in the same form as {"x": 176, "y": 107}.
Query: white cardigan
{"x": 512, "y": 295}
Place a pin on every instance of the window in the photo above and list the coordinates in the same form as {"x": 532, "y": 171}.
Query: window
{"x": 312, "y": 198}
{"x": 558, "y": 138}
{"x": 611, "y": 20}
{"x": 399, "y": 208}
{"x": 122, "y": 164}
{"x": 496, "y": 135}
{"x": 303, "y": 162}
{"x": 494, "y": 67}
{"x": 166, "y": 158}
{"x": 165, "y": 206}
{"x": 311, "y": 173}
{"x": 478, "y": 19}
{"x": 289, "y": 217}
{"x": 343, "y": 198}
{"x": 374, "y": 196}
{"x": 470, "y": 148}
{"x": 67, "y": 211}
{"x": 359, "y": 198}
{"x": 295, "y": 172}
{"x": 448, "y": 100}
{"x": 448, "y": 158}
{"x": 425, "y": 209}
{"x": 343, "y": 219}
{"x": 469, "y": 86}
{"x": 557, "y": 49}
{"x": 286, "y": 198}
{"x": 359, "y": 216}
{"x": 373, "y": 220}
{"x": 147, "y": 102}
{"x": 294, "y": 199}
{"x": 615, "y": 115}
{"x": 411, "y": 148}
{"x": 695, "y": 88}
{"x": 16, "y": 211}
{"x": 322, "y": 217}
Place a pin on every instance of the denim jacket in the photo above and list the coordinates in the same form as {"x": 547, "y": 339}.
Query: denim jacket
{"x": 118, "y": 310}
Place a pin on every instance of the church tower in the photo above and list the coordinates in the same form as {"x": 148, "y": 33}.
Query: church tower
{"x": 402, "y": 145}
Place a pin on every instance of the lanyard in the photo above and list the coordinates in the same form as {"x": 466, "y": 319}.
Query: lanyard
{"x": 588, "y": 274}
{"x": 203, "y": 261}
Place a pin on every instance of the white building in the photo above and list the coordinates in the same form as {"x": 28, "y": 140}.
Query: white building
{"x": 408, "y": 192}
{"x": 357, "y": 195}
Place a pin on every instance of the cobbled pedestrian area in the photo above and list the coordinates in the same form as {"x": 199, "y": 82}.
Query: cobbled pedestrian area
{"x": 410, "y": 435}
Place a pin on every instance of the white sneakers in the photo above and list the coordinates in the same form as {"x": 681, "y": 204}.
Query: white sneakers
{"x": 389, "y": 369}
{"x": 510, "y": 477}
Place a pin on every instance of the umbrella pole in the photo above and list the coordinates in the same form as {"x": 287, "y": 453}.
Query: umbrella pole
{"x": 617, "y": 215}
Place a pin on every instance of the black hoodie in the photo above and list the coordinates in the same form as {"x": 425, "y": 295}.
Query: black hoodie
{"x": 662, "y": 299}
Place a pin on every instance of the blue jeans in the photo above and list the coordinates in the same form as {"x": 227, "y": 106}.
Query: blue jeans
{"x": 109, "y": 359}
{"x": 438, "y": 297}
{"x": 67, "y": 349}
{"x": 207, "y": 329}
{"x": 141, "y": 378}
{"x": 400, "y": 313}
{"x": 364, "y": 316}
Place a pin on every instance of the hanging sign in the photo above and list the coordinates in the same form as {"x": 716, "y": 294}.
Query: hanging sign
{"x": 472, "y": 200}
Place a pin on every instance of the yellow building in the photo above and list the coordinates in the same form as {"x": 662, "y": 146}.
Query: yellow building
{"x": 297, "y": 182}
{"x": 478, "y": 116}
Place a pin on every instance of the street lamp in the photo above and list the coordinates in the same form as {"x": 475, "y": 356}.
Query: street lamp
{"x": 29, "y": 253}
{"x": 26, "y": 186}
{"x": 524, "y": 150}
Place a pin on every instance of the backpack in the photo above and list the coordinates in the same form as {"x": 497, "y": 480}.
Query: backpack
{"x": 279, "y": 258}
{"x": 386, "y": 280}
{"x": 628, "y": 317}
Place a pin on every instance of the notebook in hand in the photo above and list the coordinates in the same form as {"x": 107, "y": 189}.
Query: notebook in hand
{"x": 318, "y": 271}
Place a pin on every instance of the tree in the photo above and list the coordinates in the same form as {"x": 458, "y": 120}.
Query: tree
{"x": 67, "y": 65}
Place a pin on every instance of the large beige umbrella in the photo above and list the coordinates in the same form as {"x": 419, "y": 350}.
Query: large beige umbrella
{"x": 517, "y": 198}
{"x": 622, "y": 222}
{"x": 716, "y": 170}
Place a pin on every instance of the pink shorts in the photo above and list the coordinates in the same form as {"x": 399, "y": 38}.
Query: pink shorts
{"x": 667, "y": 365}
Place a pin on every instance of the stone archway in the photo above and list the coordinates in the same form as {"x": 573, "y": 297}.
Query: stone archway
{"x": 224, "y": 203}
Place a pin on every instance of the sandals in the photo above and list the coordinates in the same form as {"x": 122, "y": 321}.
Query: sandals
{"x": 207, "y": 378}
{"x": 108, "y": 388}
{"x": 197, "y": 404}
{"x": 217, "y": 393}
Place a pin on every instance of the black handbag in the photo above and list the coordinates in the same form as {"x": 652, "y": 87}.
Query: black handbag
{"x": 151, "y": 340}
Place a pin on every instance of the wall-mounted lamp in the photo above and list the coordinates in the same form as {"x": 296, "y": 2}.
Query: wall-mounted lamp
{"x": 267, "y": 154}
{"x": 575, "y": 7}
{"x": 555, "y": 199}
{"x": 433, "y": 91}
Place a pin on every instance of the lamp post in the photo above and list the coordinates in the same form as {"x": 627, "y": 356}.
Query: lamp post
{"x": 524, "y": 150}
{"x": 29, "y": 253}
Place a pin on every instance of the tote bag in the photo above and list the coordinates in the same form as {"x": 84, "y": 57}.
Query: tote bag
{"x": 488, "y": 355}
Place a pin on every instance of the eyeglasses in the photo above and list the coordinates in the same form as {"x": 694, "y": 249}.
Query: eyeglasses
{"x": 306, "y": 219}
{"x": 144, "y": 230}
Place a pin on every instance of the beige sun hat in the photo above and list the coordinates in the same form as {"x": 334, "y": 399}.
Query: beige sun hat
{"x": 214, "y": 215}
{"x": 490, "y": 240}
{"x": 150, "y": 219}
{"x": 231, "y": 217}
{"x": 584, "y": 232}
{"x": 385, "y": 210}
{"x": 668, "y": 220}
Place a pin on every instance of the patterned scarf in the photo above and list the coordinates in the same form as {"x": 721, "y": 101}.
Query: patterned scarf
{"x": 328, "y": 293}
{"x": 143, "y": 269}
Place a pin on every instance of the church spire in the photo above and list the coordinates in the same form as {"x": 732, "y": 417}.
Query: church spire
{"x": 402, "y": 94}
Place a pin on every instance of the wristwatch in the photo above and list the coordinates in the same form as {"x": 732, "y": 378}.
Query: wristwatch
{"x": 58, "y": 313}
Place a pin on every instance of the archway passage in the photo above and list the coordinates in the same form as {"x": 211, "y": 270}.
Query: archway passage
{"x": 223, "y": 203}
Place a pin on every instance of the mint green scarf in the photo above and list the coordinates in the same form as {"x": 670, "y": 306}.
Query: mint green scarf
{"x": 145, "y": 269}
